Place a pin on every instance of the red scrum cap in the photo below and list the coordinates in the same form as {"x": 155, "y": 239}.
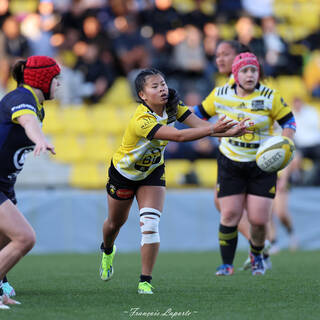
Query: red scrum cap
{"x": 39, "y": 72}
{"x": 243, "y": 60}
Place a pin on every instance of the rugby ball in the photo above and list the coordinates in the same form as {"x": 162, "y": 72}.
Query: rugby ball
{"x": 275, "y": 154}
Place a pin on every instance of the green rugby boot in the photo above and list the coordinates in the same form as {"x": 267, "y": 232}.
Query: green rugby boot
{"x": 106, "y": 267}
{"x": 145, "y": 288}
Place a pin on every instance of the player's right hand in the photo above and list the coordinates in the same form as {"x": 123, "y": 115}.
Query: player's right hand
{"x": 42, "y": 147}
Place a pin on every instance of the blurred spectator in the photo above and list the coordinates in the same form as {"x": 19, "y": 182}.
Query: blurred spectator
{"x": 211, "y": 39}
{"x": 38, "y": 38}
{"x": 73, "y": 18}
{"x": 202, "y": 13}
{"x": 245, "y": 35}
{"x": 130, "y": 46}
{"x": 160, "y": 54}
{"x": 307, "y": 138}
{"x": 276, "y": 49}
{"x": 311, "y": 74}
{"x": 162, "y": 18}
{"x": 189, "y": 61}
{"x": 95, "y": 71}
{"x": 73, "y": 89}
{"x": 189, "y": 54}
{"x": 13, "y": 45}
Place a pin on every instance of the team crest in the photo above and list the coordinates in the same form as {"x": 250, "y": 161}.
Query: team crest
{"x": 112, "y": 189}
{"x": 257, "y": 105}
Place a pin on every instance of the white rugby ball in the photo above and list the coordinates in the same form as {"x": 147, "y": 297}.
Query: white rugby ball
{"x": 275, "y": 154}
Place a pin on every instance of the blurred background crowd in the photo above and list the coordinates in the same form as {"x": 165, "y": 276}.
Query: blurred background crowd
{"x": 101, "y": 45}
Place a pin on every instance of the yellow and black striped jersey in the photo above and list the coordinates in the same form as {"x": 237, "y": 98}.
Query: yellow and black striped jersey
{"x": 139, "y": 154}
{"x": 263, "y": 107}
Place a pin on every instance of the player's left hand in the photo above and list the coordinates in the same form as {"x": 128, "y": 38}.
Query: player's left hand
{"x": 173, "y": 98}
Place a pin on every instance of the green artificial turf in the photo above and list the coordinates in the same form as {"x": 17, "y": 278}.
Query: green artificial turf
{"x": 67, "y": 286}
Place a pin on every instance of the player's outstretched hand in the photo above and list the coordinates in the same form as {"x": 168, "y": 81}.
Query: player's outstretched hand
{"x": 42, "y": 147}
{"x": 240, "y": 128}
{"x": 223, "y": 125}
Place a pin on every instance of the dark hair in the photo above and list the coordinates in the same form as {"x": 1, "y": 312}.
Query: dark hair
{"x": 237, "y": 46}
{"x": 141, "y": 79}
{"x": 17, "y": 71}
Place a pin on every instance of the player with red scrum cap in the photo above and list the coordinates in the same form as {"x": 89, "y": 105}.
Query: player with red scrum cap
{"x": 241, "y": 184}
{"x": 21, "y": 115}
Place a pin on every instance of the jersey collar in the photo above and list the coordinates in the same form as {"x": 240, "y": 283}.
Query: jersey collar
{"x": 39, "y": 105}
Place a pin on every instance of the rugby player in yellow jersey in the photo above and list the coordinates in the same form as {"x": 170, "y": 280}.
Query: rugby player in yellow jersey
{"x": 137, "y": 168}
{"x": 241, "y": 184}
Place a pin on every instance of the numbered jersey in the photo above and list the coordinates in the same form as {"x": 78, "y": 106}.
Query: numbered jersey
{"x": 263, "y": 107}
{"x": 139, "y": 154}
{"x": 14, "y": 143}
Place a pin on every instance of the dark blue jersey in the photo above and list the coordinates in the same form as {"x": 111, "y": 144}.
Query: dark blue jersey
{"x": 14, "y": 143}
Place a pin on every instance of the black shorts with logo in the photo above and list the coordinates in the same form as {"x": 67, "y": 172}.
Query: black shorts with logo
{"x": 236, "y": 177}
{"x": 121, "y": 188}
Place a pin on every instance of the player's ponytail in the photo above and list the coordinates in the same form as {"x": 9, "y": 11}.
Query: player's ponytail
{"x": 18, "y": 70}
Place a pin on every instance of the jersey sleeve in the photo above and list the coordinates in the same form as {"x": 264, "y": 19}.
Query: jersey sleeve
{"x": 22, "y": 104}
{"x": 146, "y": 126}
{"x": 280, "y": 109}
{"x": 183, "y": 112}
{"x": 207, "y": 107}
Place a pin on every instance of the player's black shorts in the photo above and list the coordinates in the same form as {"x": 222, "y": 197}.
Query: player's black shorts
{"x": 244, "y": 177}
{"x": 4, "y": 196}
{"x": 121, "y": 188}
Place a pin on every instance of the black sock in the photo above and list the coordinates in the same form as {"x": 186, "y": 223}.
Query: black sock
{"x": 5, "y": 279}
{"x": 228, "y": 240}
{"x": 106, "y": 250}
{"x": 255, "y": 249}
{"x": 144, "y": 278}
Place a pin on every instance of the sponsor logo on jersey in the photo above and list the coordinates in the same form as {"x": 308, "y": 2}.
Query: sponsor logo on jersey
{"x": 19, "y": 156}
{"x": 257, "y": 105}
{"x": 23, "y": 106}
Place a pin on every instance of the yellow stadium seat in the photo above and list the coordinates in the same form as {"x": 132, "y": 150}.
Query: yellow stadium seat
{"x": 98, "y": 148}
{"x": 77, "y": 120}
{"x": 206, "y": 170}
{"x": 175, "y": 172}
{"x": 68, "y": 149}
{"x": 307, "y": 164}
{"x": 120, "y": 93}
{"x": 88, "y": 176}
{"x": 52, "y": 123}
{"x": 292, "y": 86}
{"x": 107, "y": 121}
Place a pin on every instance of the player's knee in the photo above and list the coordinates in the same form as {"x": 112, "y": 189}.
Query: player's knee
{"x": 149, "y": 224}
{"x": 27, "y": 241}
{"x": 115, "y": 225}
{"x": 229, "y": 218}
